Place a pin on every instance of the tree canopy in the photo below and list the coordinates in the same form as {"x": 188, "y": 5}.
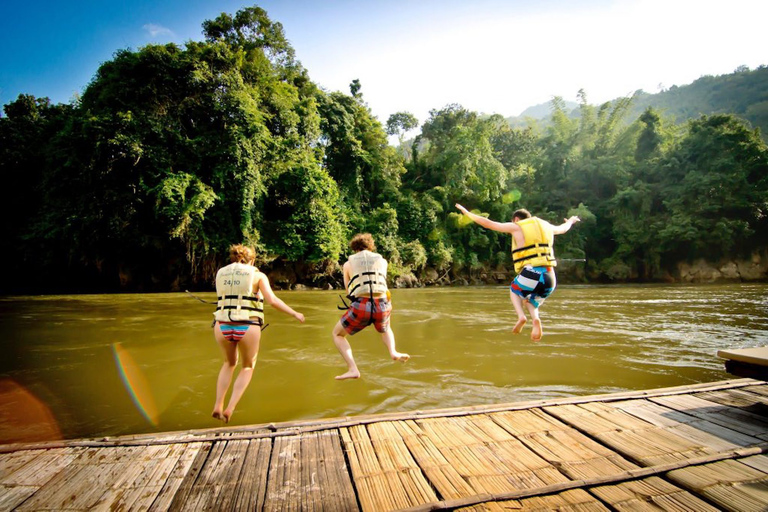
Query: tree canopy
{"x": 173, "y": 153}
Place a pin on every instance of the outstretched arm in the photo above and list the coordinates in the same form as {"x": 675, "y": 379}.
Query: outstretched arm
{"x": 565, "y": 226}
{"x": 273, "y": 300}
{"x": 503, "y": 227}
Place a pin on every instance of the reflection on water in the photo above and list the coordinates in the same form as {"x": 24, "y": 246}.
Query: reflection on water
{"x": 120, "y": 364}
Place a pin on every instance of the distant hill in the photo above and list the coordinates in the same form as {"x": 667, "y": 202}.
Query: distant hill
{"x": 743, "y": 93}
{"x": 541, "y": 111}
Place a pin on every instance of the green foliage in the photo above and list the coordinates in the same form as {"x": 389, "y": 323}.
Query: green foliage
{"x": 173, "y": 153}
{"x": 182, "y": 201}
{"x": 251, "y": 28}
{"x": 460, "y": 157}
{"x": 401, "y": 122}
{"x": 742, "y": 93}
{"x": 302, "y": 216}
{"x": 714, "y": 189}
{"x": 356, "y": 151}
{"x": 414, "y": 255}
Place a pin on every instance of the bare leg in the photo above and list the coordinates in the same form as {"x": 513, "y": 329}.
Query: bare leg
{"x": 388, "y": 338}
{"x": 340, "y": 340}
{"x": 536, "y": 332}
{"x": 229, "y": 350}
{"x": 248, "y": 347}
{"x": 517, "y": 302}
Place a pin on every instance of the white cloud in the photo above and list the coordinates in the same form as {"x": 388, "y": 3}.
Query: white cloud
{"x": 156, "y": 30}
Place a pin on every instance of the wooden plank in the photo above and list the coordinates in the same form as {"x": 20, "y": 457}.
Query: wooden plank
{"x": 729, "y": 483}
{"x": 172, "y": 483}
{"x": 145, "y": 489}
{"x": 463, "y": 453}
{"x": 310, "y": 488}
{"x": 61, "y": 488}
{"x": 758, "y": 462}
{"x": 728, "y": 417}
{"x": 396, "y": 460}
{"x": 649, "y": 493}
{"x": 636, "y": 439}
{"x": 576, "y": 500}
{"x": 283, "y": 487}
{"x": 250, "y": 492}
{"x": 200, "y": 487}
{"x": 574, "y": 454}
{"x": 510, "y": 452}
{"x": 11, "y": 496}
{"x": 753, "y": 355}
{"x": 439, "y": 471}
{"x": 227, "y": 478}
{"x": 607, "y": 480}
{"x": 528, "y": 421}
{"x": 79, "y": 485}
{"x": 373, "y": 485}
{"x": 715, "y": 436}
{"x": 741, "y": 398}
{"x": 180, "y": 484}
{"x": 758, "y": 389}
{"x": 131, "y": 477}
{"x": 570, "y": 456}
{"x": 336, "y": 485}
{"x": 655, "y": 414}
{"x": 488, "y": 467}
{"x": 12, "y": 462}
{"x": 125, "y": 475}
{"x": 41, "y": 467}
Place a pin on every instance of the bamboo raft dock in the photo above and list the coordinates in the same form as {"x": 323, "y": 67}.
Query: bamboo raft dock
{"x": 697, "y": 447}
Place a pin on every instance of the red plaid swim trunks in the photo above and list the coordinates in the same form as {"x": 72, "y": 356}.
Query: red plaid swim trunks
{"x": 359, "y": 315}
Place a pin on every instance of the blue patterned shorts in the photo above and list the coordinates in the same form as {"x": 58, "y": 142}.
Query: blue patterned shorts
{"x": 534, "y": 284}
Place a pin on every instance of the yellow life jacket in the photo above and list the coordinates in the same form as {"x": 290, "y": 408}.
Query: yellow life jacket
{"x": 236, "y": 301}
{"x": 538, "y": 250}
{"x": 369, "y": 274}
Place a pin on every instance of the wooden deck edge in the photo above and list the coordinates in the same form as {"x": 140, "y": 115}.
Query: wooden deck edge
{"x": 297, "y": 427}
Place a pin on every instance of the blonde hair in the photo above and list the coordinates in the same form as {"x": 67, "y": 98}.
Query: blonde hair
{"x": 362, "y": 242}
{"x": 239, "y": 253}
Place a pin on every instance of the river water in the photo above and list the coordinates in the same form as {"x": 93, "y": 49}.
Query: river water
{"x": 103, "y": 365}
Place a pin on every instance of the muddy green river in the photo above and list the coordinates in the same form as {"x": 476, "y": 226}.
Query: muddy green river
{"x": 103, "y": 365}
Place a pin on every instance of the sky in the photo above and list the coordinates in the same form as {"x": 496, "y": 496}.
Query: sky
{"x": 489, "y": 56}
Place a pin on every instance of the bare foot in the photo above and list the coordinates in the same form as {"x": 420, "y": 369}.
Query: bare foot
{"x": 519, "y": 325}
{"x": 217, "y": 415}
{"x": 351, "y": 374}
{"x": 226, "y": 415}
{"x": 537, "y": 332}
{"x": 400, "y": 356}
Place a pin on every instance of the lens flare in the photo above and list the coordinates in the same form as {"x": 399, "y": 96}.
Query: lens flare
{"x": 135, "y": 383}
{"x": 24, "y": 418}
{"x": 511, "y": 196}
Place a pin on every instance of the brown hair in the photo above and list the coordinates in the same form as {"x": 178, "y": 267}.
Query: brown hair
{"x": 362, "y": 242}
{"x": 239, "y": 253}
{"x": 521, "y": 214}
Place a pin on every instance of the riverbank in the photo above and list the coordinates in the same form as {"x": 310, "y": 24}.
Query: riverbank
{"x": 754, "y": 269}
